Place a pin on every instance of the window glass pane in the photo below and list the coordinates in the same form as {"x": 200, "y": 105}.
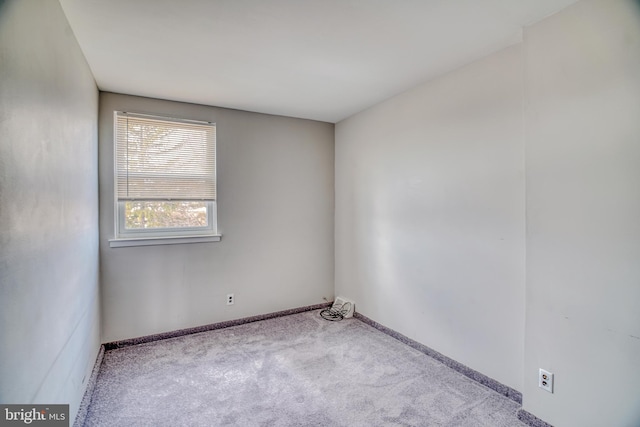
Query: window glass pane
{"x": 161, "y": 214}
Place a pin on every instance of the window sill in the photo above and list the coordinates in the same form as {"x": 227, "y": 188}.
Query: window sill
{"x": 166, "y": 240}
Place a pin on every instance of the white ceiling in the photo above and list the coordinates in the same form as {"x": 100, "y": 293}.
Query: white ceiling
{"x": 316, "y": 59}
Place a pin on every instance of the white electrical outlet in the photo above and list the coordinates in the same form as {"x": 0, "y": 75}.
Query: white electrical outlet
{"x": 545, "y": 380}
{"x": 230, "y": 299}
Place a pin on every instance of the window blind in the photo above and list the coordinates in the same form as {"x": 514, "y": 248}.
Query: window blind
{"x": 164, "y": 159}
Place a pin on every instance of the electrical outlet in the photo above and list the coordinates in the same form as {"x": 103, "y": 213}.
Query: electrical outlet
{"x": 230, "y": 299}
{"x": 545, "y": 380}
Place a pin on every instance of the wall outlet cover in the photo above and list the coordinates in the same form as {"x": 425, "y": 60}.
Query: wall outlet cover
{"x": 545, "y": 380}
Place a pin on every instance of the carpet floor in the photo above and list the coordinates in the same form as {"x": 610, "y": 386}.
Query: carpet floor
{"x": 297, "y": 370}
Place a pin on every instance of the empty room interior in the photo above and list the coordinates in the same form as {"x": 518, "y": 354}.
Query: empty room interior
{"x": 467, "y": 173}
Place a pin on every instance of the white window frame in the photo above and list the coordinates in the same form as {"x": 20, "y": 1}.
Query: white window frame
{"x": 159, "y": 236}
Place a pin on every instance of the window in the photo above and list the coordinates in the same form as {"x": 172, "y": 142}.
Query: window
{"x": 165, "y": 179}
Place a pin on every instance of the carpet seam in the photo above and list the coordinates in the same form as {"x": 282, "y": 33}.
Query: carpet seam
{"x": 210, "y": 327}
{"x": 476, "y": 376}
{"x": 83, "y": 410}
{"x": 532, "y": 420}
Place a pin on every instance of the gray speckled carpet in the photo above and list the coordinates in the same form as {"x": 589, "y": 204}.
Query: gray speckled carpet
{"x": 298, "y": 370}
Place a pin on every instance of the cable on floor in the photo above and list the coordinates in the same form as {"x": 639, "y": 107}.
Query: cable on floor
{"x": 335, "y": 314}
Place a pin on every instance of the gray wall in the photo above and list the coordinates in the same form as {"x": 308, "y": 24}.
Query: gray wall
{"x": 49, "y": 308}
{"x": 430, "y": 215}
{"x": 583, "y": 214}
{"x": 275, "y": 212}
